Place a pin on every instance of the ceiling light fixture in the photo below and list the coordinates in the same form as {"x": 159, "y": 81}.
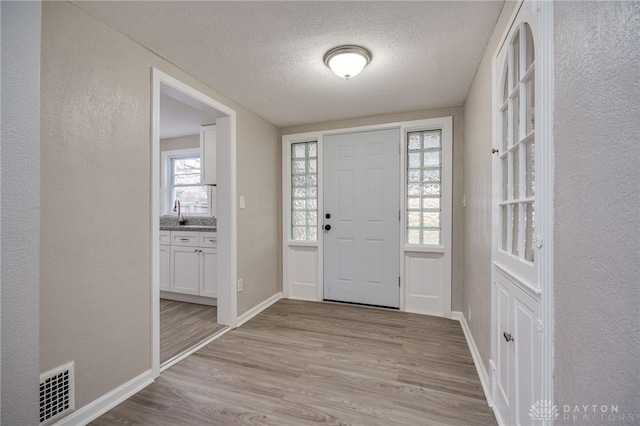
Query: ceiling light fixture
{"x": 347, "y": 61}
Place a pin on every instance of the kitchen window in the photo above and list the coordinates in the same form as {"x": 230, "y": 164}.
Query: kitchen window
{"x": 184, "y": 185}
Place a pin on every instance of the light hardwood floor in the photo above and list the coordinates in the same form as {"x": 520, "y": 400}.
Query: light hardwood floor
{"x": 184, "y": 325}
{"x": 301, "y": 363}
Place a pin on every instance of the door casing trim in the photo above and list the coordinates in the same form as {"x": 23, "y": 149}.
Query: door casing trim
{"x": 446, "y": 123}
{"x": 226, "y": 193}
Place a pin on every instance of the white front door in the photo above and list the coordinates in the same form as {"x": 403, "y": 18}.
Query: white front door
{"x": 361, "y": 218}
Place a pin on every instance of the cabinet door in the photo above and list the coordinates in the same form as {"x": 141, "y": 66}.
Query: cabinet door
{"x": 208, "y": 155}
{"x": 517, "y": 380}
{"x": 209, "y": 273}
{"x": 165, "y": 268}
{"x": 185, "y": 266}
{"x": 504, "y": 350}
{"x": 527, "y": 360}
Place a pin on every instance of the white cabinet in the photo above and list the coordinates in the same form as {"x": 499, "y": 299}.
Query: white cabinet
{"x": 165, "y": 261}
{"x": 517, "y": 381}
{"x": 209, "y": 264}
{"x": 208, "y": 154}
{"x": 185, "y": 264}
{"x": 189, "y": 265}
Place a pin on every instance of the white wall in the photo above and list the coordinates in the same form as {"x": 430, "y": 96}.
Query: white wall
{"x": 478, "y": 188}
{"x": 20, "y": 220}
{"x": 597, "y": 205}
{"x": 95, "y": 250}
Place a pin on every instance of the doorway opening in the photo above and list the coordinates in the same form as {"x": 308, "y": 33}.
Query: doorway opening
{"x": 194, "y": 261}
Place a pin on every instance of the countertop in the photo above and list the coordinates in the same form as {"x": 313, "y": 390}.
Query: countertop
{"x": 192, "y": 223}
{"x": 199, "y": 228}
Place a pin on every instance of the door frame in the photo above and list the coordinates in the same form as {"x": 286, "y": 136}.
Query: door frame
{"x": 226, "y": 194}
{"x": 544, "y": 181}
{"x": 310, "y": 287}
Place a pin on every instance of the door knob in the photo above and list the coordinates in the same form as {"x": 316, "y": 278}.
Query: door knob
{"x": 327, "y": 227}
{"x": 328, "y": 216}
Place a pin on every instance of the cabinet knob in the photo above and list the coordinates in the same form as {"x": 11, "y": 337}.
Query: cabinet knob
{"x": 508, "y": 337}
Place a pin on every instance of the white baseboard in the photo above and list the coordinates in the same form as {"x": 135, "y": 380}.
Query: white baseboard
{"x": 95, "y": 409}
{"x": 475, "y": 354}
{"x": 258, "y": 308}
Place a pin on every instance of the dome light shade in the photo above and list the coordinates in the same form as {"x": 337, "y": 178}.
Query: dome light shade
{"x": 347, "y": 61}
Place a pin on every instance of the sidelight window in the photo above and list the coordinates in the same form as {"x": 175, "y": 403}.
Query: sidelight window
{"x": 424, "y": 187}
{"x": 304, "y": 191}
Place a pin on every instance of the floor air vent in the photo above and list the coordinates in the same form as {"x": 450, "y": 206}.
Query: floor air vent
{"x": 56, "y": 393}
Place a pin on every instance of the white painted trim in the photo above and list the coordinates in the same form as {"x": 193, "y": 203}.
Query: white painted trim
{"x": 475, "y": 354}
{"x": 320, "y": 258}
{"x": 444, "y": 123}
{"x": 545, "y": 86}
{"x": 545, "y": 183}
{"x": 173, "y": 361}
{"x": 154, "y": 232}
{"x": 258, "y": 308}
{"x": 226, "y": 194}
{"x": 106, "y": 402}
{"x": 445, "y": 250}
{"x": 288, "y": 243}
{"x": 507, "y": 30}
{"x": 519, "y": 282}
{"x": 494, "y": 385}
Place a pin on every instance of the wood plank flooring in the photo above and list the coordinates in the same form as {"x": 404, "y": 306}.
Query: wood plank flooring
{"x": 184, "y": 325}
{"x": 302, "y": 363}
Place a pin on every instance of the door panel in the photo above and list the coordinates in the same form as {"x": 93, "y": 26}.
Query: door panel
{"x": 527, "y": 355}
{"x": 361, "y": 194}
{"x": 504, "y": 355}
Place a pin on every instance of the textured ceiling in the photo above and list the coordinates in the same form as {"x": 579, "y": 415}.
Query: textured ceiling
{"x": 267, "y": 55}
{"x": 179, "y": 119}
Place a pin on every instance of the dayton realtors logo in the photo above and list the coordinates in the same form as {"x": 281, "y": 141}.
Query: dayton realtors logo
{"x": 543, "y": 410}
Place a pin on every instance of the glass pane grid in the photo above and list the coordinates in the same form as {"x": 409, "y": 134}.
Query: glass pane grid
{"x": 517, "y": 206}
{"x": 304, "y": 191}
{"x": 424, "y": 174}
{"x": 185, "y": 185}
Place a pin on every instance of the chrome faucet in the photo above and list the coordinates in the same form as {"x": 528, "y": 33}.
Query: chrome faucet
{"x": 176, "y": 208}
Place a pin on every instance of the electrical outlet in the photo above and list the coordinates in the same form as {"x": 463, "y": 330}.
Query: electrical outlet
{"x": 469, "y": 315}
{"x": 239, "y": 285}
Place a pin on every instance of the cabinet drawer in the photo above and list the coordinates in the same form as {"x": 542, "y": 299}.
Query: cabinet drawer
{"x": 182, "y": 238}
{"x": 208, "y": 239}
{"x": 165, "y": 238}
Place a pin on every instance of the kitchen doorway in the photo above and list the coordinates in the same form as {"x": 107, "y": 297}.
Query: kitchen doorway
{"x": 223, "y": 241}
